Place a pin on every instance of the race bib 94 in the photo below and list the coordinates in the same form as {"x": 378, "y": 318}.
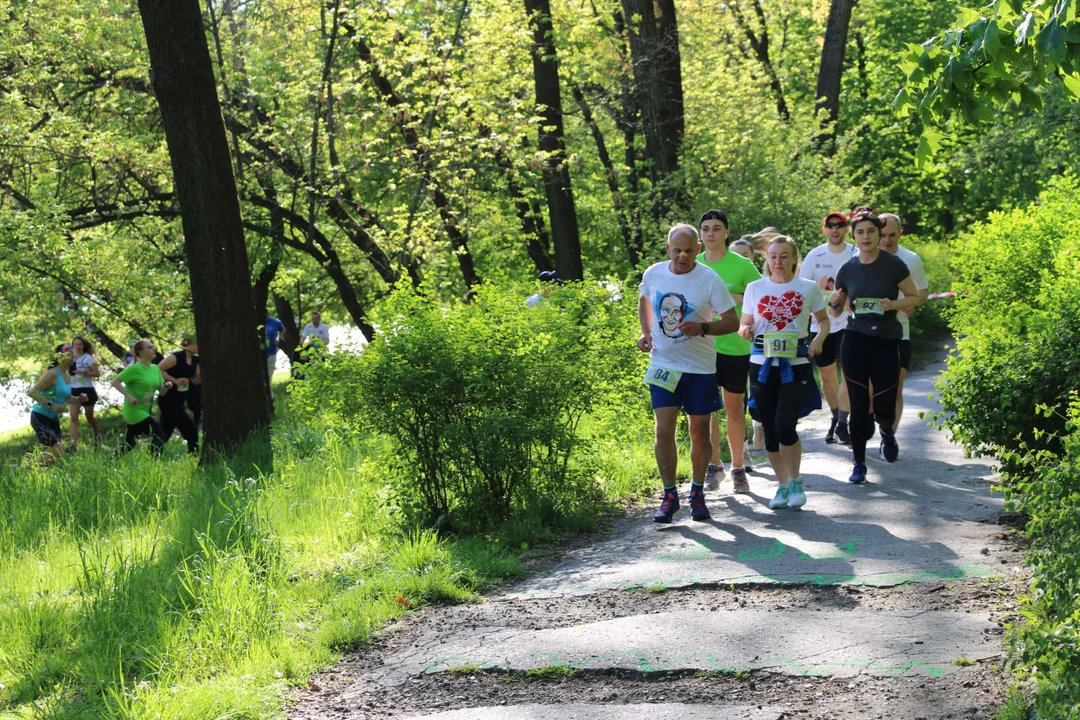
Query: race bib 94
{"x": 781, "y": 345}
{"x": 662, "y": 377}
{"x": 869, "y": 306}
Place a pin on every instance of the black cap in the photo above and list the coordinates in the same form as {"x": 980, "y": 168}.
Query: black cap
{"x": 714, "y": 215}
{"x": 549, "y": 276}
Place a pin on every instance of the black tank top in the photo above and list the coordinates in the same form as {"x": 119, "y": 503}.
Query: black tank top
{"x": 182, "y": 369}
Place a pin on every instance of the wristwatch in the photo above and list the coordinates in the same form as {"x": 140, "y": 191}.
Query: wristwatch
{"x": 704, "y": 328}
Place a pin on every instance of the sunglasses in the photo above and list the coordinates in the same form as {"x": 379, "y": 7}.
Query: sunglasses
{"x": 835, "y": 225}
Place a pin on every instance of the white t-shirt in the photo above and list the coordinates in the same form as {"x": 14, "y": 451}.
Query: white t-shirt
{"x": 785, "y": 307}
{"x": 823, "y": 263}
{"x": 322, "y": 332}
{"x": 918, "y": 276}
{"x": 695, "y": 296}
{"x": 83, "y": 362}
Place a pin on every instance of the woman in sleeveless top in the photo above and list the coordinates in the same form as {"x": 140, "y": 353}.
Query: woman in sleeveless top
{"x": 181, "y": 368}
{"x": 51, "y": 395}
{"x": 83, "y": 371}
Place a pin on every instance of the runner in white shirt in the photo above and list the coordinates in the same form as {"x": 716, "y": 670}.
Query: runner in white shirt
{"x": 776, "y": 313}
{"x": 891, "y": 231}
{"x": 316, "y": 329}
{"x": 683, "y": 305}
{"x": 822, "y": 265}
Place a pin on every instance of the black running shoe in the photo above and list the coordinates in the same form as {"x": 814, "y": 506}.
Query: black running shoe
{"x": 842, "y": 434}
{"x": 830, "y": 437}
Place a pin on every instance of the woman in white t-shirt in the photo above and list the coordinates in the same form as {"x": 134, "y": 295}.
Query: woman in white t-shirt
{"x": 776, "y": 315}
{"x": 84, "y": 369}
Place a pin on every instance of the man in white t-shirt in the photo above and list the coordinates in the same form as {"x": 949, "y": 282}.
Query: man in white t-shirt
{"x": 822, "y": 264}
{"x": 891, "y": 230}
{"x": 316, "y": 329}
{"x": 679, "y": 299}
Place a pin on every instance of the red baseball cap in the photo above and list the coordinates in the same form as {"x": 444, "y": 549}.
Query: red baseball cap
{"x": 839, "y": 215}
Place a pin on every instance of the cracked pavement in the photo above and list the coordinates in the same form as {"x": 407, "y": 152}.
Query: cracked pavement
{"x": 895, "y": 592}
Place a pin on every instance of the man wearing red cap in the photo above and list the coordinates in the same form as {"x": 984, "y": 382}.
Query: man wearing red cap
{"x": 821, "y": 265}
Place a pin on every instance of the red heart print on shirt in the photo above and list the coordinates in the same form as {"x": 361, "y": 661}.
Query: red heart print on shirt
{"x": 781, "y": 311}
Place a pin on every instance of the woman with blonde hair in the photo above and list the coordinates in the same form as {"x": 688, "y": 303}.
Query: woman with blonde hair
{"x": 776, "y": 317}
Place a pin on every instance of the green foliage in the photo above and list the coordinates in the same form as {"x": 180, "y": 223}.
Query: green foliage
{"x": 485, "y": 401}
{"x": 1018, "y": 318}
{"x": 1046, "y": 485}
{"x": 1000, "y": 53}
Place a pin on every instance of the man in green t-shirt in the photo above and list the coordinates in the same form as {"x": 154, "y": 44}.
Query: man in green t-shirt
{"x": 732, "y": 351}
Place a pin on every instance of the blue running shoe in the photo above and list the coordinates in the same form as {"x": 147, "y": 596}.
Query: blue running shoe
{"x": 858, "y": 473}
{"x": 698, "y": 511}
{"x": 890, "y": 450}
{"x": 668, "y": 508}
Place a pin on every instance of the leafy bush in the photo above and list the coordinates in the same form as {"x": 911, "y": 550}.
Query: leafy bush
{"x": 485, "y": 401}
{"x": 1018, "y": 323}
{"x": 1046, "y": 486}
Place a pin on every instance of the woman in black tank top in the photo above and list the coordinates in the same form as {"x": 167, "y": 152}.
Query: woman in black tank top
{"x": 181, "y": 368}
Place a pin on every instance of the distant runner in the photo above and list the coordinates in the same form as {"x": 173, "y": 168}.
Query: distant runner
{"x": 181, "y": 368}
{"x": 891, "y": 230}
{"x": 316, "y": 330}
{"x": 272, "y": 330}
{"x": 678, "y": 307}
{"x": 776, "y": 315}
{"x": 732, "y": 351}
{"x": 138, "y": 383}
{"x": 52, "y": 395}
{"x": 83, "y": 371}
{"x": 870, "y": 287}
{"x": 822, "y": 265}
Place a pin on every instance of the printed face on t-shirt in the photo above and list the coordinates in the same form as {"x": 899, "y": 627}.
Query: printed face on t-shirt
{"x": 672, "y": 310}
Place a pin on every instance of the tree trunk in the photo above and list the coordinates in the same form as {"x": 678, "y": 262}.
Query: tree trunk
{"x": 832, "y": 70}
{"x": 285, "y": 314}
{"x": 562, "y": 213}
{"x": 233, "y": 368}
{"x": 759, "y": 43}
{"x": 609, "y": 171}
{"x": 654, "y": 49}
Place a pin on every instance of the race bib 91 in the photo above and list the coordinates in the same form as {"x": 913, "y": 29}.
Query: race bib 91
{"x": 781, "y": 345}
{"x": 869, "y": 306}
{"x": 662, "y": 377}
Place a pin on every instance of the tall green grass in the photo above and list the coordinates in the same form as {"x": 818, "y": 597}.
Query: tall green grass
{"x": 138, "y": 587}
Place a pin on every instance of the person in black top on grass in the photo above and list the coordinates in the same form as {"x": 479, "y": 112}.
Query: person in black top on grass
{"x": 181, "y": 368}
{"x": 868, "y": 286}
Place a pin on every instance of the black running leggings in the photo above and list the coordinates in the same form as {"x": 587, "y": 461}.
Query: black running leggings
{"x": 779, "y": 403}
{"x": 150, "y": 427}
{"x": 867, "y": 359}
{"x": 175, "y": 417}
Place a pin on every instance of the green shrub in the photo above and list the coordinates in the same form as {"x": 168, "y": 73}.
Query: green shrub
{"x": 485, "y": 401}
{"x": 1046, "y": 486}
{"x": 1018, "y": 325}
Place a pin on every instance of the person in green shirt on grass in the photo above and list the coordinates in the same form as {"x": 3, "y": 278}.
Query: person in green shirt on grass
{"x": 138, "y": 382}
{"x": 732, "y": 351}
